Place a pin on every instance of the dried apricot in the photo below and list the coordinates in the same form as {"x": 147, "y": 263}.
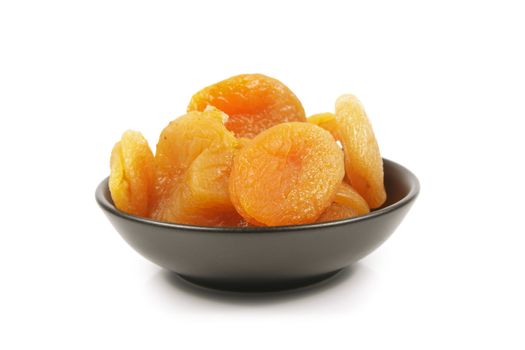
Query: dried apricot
{"x": 363, "y": 162}
{"x": 286, "y": 175}
{"x": 253, "y": 102}
{"x": 131, "y": 181}
{"x": 337, "y": 211}
{"x": 349, "y": 197}
{"x": 326, "y": 121}
{"x": 243, "y": 141}
{"x": 193, "y": 161}
{"x": 202, "y": 197}
{"x": 347, "y": 203}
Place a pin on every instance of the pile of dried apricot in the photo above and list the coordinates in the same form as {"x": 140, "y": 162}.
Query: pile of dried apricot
{"x": 246, "y": 155}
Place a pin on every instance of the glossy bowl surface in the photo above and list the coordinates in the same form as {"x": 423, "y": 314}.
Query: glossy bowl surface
{"x": 265, "y": 258}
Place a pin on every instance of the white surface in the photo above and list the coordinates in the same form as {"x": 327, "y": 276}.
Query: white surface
{"x": 443, "y": 84}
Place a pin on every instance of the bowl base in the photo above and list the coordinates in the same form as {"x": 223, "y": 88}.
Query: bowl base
{"x": 258, "y": 287}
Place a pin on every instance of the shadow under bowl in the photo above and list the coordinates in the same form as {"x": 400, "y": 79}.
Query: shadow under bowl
{"x": 265, "y": 258}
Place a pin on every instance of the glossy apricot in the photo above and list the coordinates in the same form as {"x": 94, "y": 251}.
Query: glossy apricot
{"x": 243, "y": 141}
{"x": 347, "y": 203}
{"x": 337, "y": 211}
{"x": 326, "y": 121}
{"x": 286, "y": 175}
{"x": 193, "y": 161}
{"x": 348, "y": 196}
{"x": 131, "y": 180}
{"x": 363, "y": 162}
{"x": 253, "y": 102}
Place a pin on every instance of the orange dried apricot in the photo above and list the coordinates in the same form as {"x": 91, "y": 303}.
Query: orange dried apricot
{"x": 253, "y": 102}
{"x": 131, "y": 180}
{"x": 349, "y": 197}
{"x": 347, "y": 203}
{"x": 363, "y": 162}
{"x": 246, "y": 155}
{"x": 193, "y": 162}
{"x": 326, "y": 121}
{"x": 243, "y": 141}
{"x": 202, "y": 198}
{"x": 337, "y": 211}
{"x": 286, "y": 175}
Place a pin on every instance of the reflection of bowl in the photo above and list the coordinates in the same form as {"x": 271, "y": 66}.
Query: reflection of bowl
{"x": 265, "y": 258}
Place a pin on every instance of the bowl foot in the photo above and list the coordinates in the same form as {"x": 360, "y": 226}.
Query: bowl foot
{"x": 258, "y": 286}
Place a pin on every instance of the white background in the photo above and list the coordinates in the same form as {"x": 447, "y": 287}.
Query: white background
{"x": 443, "y": 84}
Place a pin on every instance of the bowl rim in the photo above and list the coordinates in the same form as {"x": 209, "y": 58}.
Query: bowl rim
{"x": 410, "y": 196}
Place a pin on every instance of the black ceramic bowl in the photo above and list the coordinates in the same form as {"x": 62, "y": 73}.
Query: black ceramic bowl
{"x": 265, "y": 258}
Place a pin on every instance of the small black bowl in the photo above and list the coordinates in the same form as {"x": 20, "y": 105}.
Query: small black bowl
{"x": 265, "y": 258}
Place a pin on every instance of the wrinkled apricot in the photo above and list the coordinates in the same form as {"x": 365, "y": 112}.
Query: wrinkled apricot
{"x": 243, "y": 141}
{"x": 337, "y": 211}
{"x": 349, "y": 197}
{"x": 253, "y": 102}
{"x": 202, "y": 198}
{"x": 347, "y": 203}
{"x": 326, "y": 121}
{"x": 286, "y": 175}
{"x": 193, "y": 162}
{"x": 363, "y": 162}
{"x": 131, "y": 180}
